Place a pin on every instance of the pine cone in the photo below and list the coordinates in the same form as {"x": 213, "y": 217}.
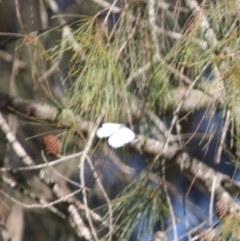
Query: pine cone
{"x": 222, "y": 209}
{"x": 208, "y": 235}
{"x": 52, "y": 145}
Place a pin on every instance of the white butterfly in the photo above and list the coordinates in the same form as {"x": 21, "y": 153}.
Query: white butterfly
{"x": 119, "y": 135}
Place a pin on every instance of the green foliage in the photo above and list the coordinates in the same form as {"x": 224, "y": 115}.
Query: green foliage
{"x": 229, "y": 229}
{"x": 110, "y": 70}
{"x": 141, "y": 205}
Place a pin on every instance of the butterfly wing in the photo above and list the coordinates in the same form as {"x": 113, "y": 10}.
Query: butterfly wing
{"x": 107, "y": 129}
{"x": 121, "y": 137}
{"x": 112, "y": 126}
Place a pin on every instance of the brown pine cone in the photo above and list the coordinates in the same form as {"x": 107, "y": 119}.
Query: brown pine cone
{"x": 52, "y": 145}
{"x": 222, "y": 209}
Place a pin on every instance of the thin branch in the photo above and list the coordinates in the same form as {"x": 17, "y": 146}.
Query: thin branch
{"x": 66, "y": 29}
{"x": 153, "y": 27}
{"x": 45, "y": 204}
{"x": 55, "y": 65}
{"x": 110, "y": 10}
{"x": 105, "y": 4}
{"x": 96, "y": 176}
{"x": 15, "y": 144}
{"x": 40, "y": 166}
{"x": 61, "y": 175}
{"x": 223, "y": 137}
{"x": 9, "y": 59}
{"x": 217, "y": 161}
{"x": 18, "y": 14}
{"x": 156, "y": 59}
{"x": 81, "y": 172}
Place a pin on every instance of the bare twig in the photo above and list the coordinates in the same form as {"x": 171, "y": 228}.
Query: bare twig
{"x": 60, "y": 174}
{"x": 217, "y": 161}
{"x": 153, "y": 27}
{"x": 67, "y": 30}
{"x": 105, "y": 4}
{"x": 81, "y": 172}
{"x": 18, "y": 14}
{"x": 96, "y": 176}
{"x": 40, "y": 166}
{"x": 156, "y": 59}
{"x": 223, "y": 136}
{"x": 9, "y": 58}
{"x": 45, "y": 204}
